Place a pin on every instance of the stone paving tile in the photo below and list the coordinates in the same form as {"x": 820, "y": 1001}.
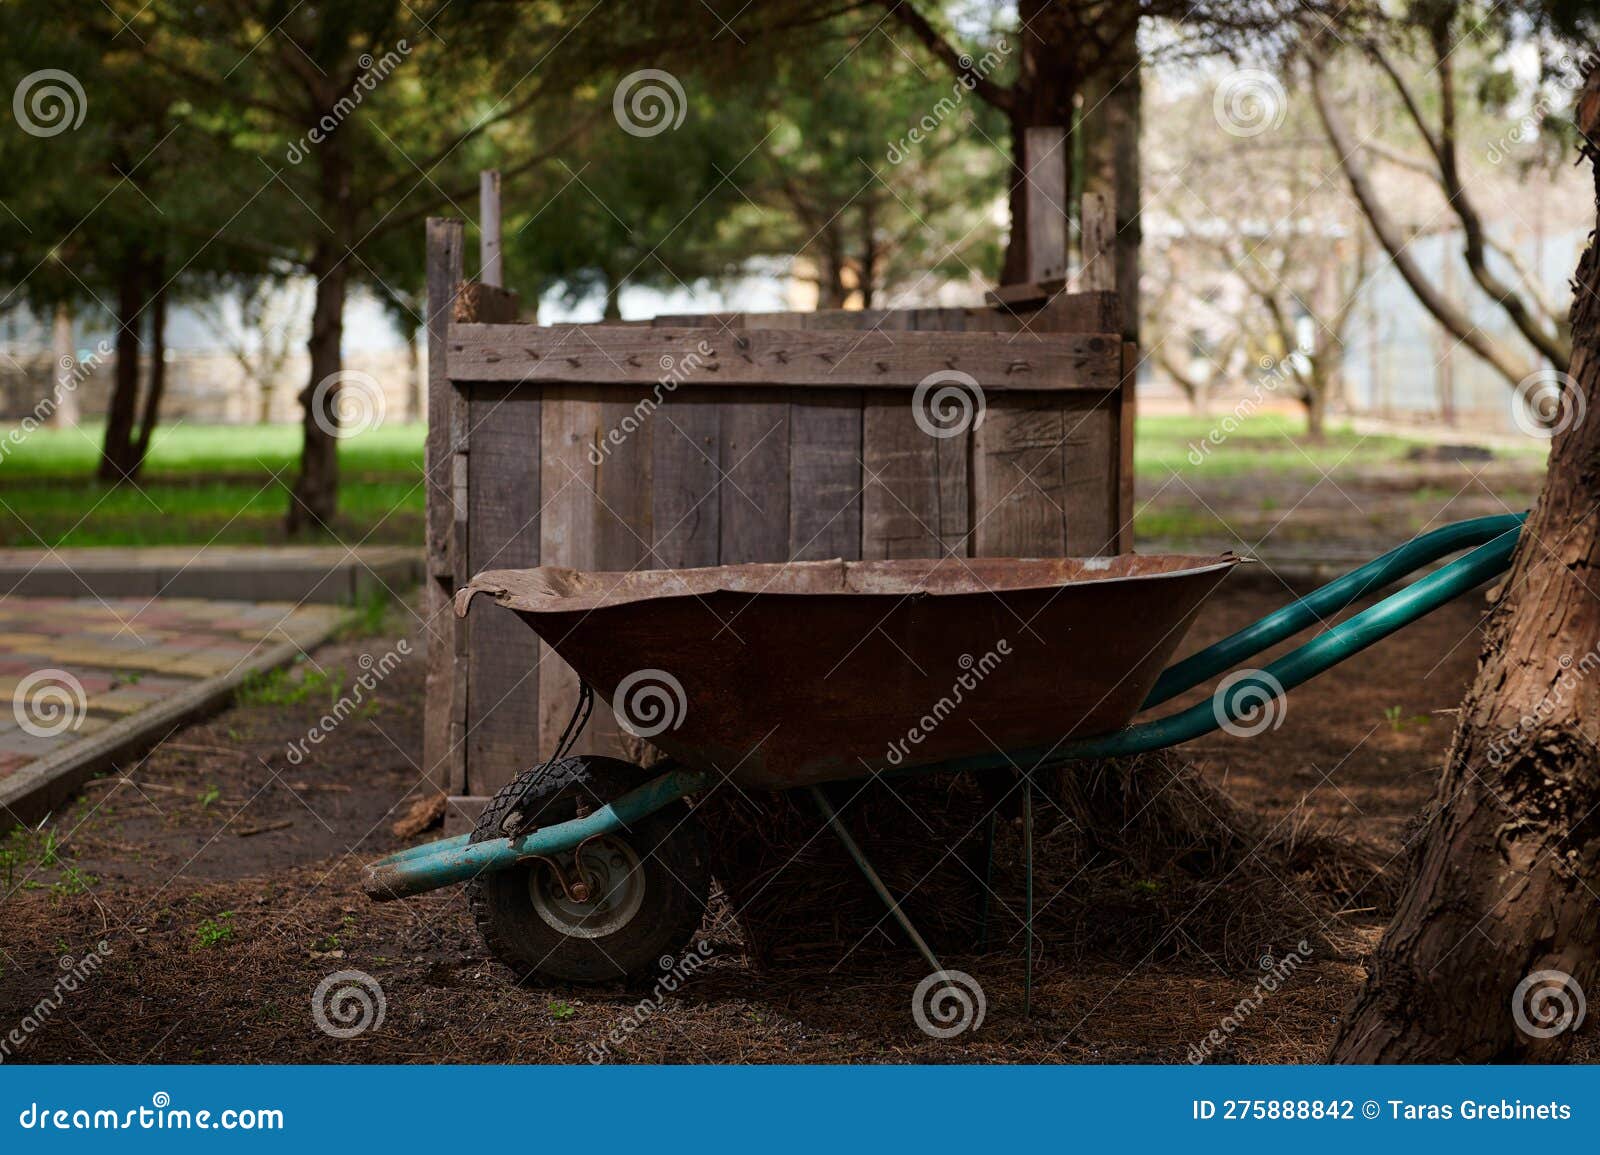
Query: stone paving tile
{"x": 124, "y": 654}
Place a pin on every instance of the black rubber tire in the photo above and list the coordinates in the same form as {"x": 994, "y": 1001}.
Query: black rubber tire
{"x": 674, "y": 861}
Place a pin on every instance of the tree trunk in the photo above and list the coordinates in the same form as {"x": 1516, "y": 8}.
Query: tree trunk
{"x": 1316, "y": 403}
{"x": 417, "y": 395}
{"x": 64, "y": 355}
{"x": 1498, "y": 930}
{"x": 116, "y": 453}
{"x": 316, "y": 491}
{"x": 1112, "y": 104}
{"x": 158, "y": 371}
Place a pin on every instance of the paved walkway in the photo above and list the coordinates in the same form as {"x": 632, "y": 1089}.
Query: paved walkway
{"x": 79, "y": 672}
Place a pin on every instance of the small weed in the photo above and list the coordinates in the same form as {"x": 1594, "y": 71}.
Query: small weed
{"x": 208, "y": 796}
{"x": 279, "y": 687}
{"x": 72, "y": 881}
{"x": 371, "y": 618}
{"x": 1144, "y": 886}
{"x": 215, "y": 932}
{"x": 131, "y": 677}
{"x": 561, "y": 1011}
{"x": 1398, "y": 719}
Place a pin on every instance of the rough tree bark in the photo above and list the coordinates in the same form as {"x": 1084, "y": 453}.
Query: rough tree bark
{"x": 1502, "y": 885}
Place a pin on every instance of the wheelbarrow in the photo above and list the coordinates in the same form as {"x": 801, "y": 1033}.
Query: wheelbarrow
{"x": 588, "y": 869}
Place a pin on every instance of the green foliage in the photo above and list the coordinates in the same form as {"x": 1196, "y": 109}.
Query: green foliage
{"x": 214, "y": 932}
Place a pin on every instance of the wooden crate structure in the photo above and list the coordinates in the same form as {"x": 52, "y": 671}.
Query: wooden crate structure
{"x": 727, "y": 438}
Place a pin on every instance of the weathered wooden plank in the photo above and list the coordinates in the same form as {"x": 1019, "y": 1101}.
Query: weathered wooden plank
{"x": 825, "y": 474}
{"x": 910, "y": 506}
{"x": 1127, "y": 415}
{"x": 775, "y": 357}
{"x": 1041, "y": 477}
{"x": 1045, "y": 169}
{"x": 687, "y": 514}
{"x": 1097, "y": 243}
{"x": 445, "y": 240}
{"x": 444, "y": 247}
{"x": 569, "y": 428}
{"x": 502, "y": 718}
{"x": 754, "y": 492}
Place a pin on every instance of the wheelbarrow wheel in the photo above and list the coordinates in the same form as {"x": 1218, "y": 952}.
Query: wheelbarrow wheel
{"x": 623, "y": 906}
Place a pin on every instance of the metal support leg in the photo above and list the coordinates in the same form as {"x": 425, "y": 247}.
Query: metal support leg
{"x": 1027, "y": 855}
{"x": 889, "y": 900}
{"x": 988, "y": 879}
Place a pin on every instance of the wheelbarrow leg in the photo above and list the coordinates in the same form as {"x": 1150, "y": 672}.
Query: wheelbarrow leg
{"x": 876, "y": 882}
{"x": 1027, "y": 855}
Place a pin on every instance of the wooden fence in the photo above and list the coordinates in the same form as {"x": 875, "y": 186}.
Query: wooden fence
{"x": 726, "y": 438}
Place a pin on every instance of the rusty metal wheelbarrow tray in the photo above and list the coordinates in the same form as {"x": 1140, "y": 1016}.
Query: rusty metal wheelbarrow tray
{"x": 779, "y": 676}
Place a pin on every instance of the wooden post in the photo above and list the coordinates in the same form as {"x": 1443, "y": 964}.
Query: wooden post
{"x": 489, "y": 226}
{"x": 1045, "y": 169}
{"x": 1098, "y": 244}
{"x": 444, "y": 266}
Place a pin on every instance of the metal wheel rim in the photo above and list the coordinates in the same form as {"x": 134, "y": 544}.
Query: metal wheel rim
{"x": 617, "y": 875}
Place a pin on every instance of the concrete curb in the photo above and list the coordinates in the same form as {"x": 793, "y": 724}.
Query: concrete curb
{"x": 33, "y": 792}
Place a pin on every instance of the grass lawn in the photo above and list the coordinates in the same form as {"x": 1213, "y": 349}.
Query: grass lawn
{"x": 229, "y": 484}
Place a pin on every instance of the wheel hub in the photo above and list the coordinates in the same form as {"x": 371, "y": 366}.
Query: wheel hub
{"x": 606, "y": 890}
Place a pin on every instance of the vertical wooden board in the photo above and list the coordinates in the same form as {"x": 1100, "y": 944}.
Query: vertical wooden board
{"x": 825, "y": 474}
{"x": 569, "y": 427}
{"x": 1045, "y": 167}
{"x": 444, "y": 247}
{"x": 1127, "y": 420}
{"x": 1042, "y": 484}
{"x": 914, "y": 500}
{"x": 685, "y": 470}
{"x": 754, "y": 493}
{"x": 502, "y": 716}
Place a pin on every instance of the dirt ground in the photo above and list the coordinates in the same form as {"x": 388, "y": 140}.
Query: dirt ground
{"x": 224, "y": 879}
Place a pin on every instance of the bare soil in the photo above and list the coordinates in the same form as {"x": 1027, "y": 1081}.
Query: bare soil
{"x": 218, "y": 938}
